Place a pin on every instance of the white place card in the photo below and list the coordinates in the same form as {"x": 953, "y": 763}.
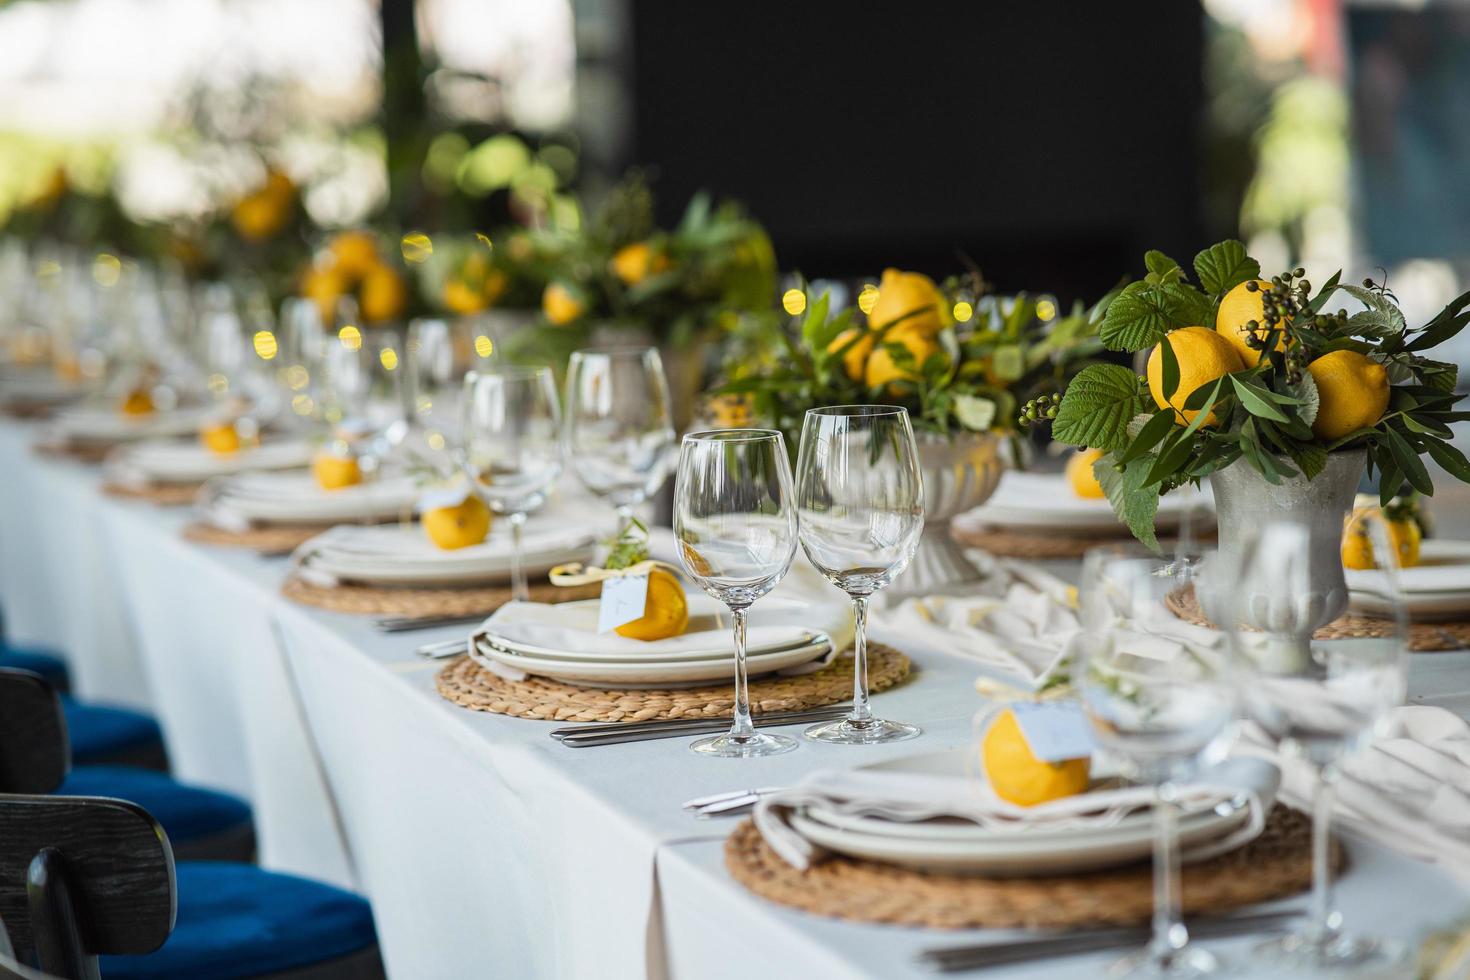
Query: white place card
{"x": 624, "y": 598}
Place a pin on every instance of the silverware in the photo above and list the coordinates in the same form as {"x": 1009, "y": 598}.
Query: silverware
{"x": 702, "y": 801}
{"x": 770, "y": 718}
{"x": 403, "y": 624}
{"x": 728, "y": 808}
{"x": 443, "y": 650}
{"x": 955, "y": 958}
{"x": 633, "y": 733}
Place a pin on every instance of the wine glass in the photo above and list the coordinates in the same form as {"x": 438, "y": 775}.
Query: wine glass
{"x": 1319, "y": 697}
{"x": 1155, "y": 690}
{"x": 362, "y": 393}
{"x": 860, "y": 497}
{"x": 735, "y": 523}
{"x": 619, "y": 435}
{"x": 441, "y": 353}
{"x": 511, "y": 447}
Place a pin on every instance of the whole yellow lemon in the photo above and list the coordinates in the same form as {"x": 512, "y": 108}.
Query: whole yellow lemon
{"x": 881, "y": 369}
{"x": 1080, "y": 473}
{"x": 260, "y": 216}
{"x": 1352, "y": 391}
{"x": 222, "y": 439}
{"x": 1019, "y": 777}
{"x": 1237, "y": 308}
{"x": 323, "y": 286}
{"x": 461, "y": 298}
{"x": 383, "y": 295}
{"x": 901, "y": 293}
{"x": 636, "y": 262}
{"x": 1203, "y": 356}
{"x": 561, "y": 305}
{"x": 855, "y": 361}
{"x": 459, "y": 526}
{"x": 355, "y": 253}
{"x": 665, "y": 611}
{"x": 334, "y": 472}
{"x": 1357, "y": 540}
{"x": 137, "y": 402}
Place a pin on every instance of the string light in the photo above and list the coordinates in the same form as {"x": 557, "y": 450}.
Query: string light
{"x": 351, "y": 337}
{"x": 484, "y": 346}
{"x": 388, "y": 357}
{"x": 963, "y": 311}
{"x": 265, "y": 344}
{"x": 793, "y": 301}
{"x": 1045, "y": 310}
{"x": 416, "y": 247}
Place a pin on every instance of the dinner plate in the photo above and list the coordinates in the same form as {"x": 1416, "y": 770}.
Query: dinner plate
{"x": 1443, "y": 569}
{"x": 962, "y": 847}
{"x": 295, "y": 498}
{"x": 184, "y": 462}
{"x": 639, "y": 673}
{"x": 393, "y": 555}
{"x": 107, "y": 425}
{"x": 1045, "y": 501}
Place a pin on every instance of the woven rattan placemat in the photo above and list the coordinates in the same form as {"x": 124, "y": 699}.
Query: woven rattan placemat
{"x": 468, "y": 684}
{"x": 162, "y": 494}
{"x": 270, "y": 539}
{"x": 419, "y": 603}
{"x": 81, "y": 452}
{"x": 1040, "y": 547}
{"x": 1274, "y": 865}
{"x": 1423, "y": 637}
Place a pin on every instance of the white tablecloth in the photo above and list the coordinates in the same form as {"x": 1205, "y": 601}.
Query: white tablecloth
{"x": 486, "y": 847}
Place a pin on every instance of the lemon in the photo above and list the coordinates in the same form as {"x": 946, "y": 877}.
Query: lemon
{"x": 665, "y": 611}
{"x": 729, "y": 411}
{"x": 1080, "y": 473}
{"x": 900, "y": 293}
{"x": 1353, "y": 393}
{"x": 383, "y": 296}
{"x": 1357, "y": 541}
{"x": 881, "y": 369}
{"x": 459, "y": 526}
{"x": 222, "y": 439}
{"x": 1239, "y": 307}
{"x": 334, "y": 472}
{"x": 1019, "y": 777}
{"x": 636, "y": 262}
{"x": 855, "y": 361}
{"x": 260, "y": 215}
{"x": 137, "y": 402}
{"x": 355, "y": 253}
{"x": 1203, "y": 356}
{"x": 324, "y": 286}
{"x": 561, "y": 305}
{"x": 461, "y": 298}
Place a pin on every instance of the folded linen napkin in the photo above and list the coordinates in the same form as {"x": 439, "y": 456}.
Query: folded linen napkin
{"x": 1409, "y": 790}
{"x": 239, "y": 501}
{"x": 174, "y": 461}
{"x": 908, "y": 797}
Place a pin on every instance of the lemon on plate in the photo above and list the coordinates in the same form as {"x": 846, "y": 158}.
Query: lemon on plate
{"x": 334, "y": 472}
{"x": 139, "y": 401}
{"x": 1081, "y": 475}
{"x": 665, "y": 610}
{"x": 464, "y": 524}
{"x": 1019, "y": 777}
{"x": 1404, "y": 536}
{"x": 222, "y": 439}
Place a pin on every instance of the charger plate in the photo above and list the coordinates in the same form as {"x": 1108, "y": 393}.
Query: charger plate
{"x": 266, "y": 539}
{"x": 420, "y": 603}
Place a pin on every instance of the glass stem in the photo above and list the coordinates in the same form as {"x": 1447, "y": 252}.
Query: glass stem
{"x": 861, "y": 713}
{"x": 520, "y": 589}
{"x": 1168, "y": 926}
{"x": 1325, "y": 919}
{"x": 741, "y": 727}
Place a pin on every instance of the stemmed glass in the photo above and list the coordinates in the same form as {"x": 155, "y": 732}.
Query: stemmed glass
{"x": 860, "y": 497}
{"x": 1319, "y": 697}
{"x": 735, "y": 523}
{"x": 440, "y": 355}
{"x": 512, "y": 451}
{"x": 1157, "y": 695}
{"x": 619, "y": 435}
{"x": 362, "y": 393}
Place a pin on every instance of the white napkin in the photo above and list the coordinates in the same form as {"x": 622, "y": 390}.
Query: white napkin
{"x": 911, "y": 797}
{"x": 1408, "y": 791}
{"x": 188, "y": 461}
{"x": 291, "y": 497}
{"x": 1451, "y": 574}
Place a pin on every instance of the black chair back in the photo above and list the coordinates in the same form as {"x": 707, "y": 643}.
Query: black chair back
{"x": 82, "y": 876}
{"x": 34, "y": 753}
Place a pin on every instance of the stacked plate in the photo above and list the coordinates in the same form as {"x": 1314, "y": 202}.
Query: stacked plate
{"x": 1437, "y": 588}
{"x": 1042, "y": 502}
{"x": 960, "y": 846}
{"x": 562, "y": 642}
{"x": 393, "y": 555}
{"x": 38, "y": 388}
{"x": 192, "y": 462}
{"x": 108, "y": 426}
{"x": 296, "y": 498}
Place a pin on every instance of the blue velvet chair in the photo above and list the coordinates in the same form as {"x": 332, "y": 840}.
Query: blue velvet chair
{"x": 102, "y": 734}
{"x": 37, "y": 661}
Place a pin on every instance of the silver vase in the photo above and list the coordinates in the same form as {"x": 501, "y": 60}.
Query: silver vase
{"x": 960, "y": 473}
{"x": 1246, "y": 503}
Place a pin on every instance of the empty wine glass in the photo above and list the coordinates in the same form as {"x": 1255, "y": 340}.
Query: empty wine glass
{"x": 619, "y": 435}
{"x": 1318, "y": 695}
{"x": 362, "y": 393}
{"x": 1155, "y": 690}
{"x": 512, "y": 451}
{"x": 860, "y": 498}
{"x": 735, "y": 523}
{"x": 441, "y": 353}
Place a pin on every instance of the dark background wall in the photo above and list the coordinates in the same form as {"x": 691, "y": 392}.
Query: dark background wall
{"x": 1051, "y": 141}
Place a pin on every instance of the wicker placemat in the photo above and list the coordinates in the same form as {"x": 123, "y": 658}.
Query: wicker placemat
{"x": 469, "y": 685}
{"x": 270, "y": 539}
{"x": 1423, "y": 637}
{"x": 420, "y": 603}
{"x": 162, "y": 494}
{"x": 81, "y": 452}
{"x": 1276, "y": 864}
{"x": 1041, "y": 547}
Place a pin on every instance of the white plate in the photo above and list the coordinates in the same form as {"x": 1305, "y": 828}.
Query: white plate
{"x": 107, "y": 425}
{"x": 960, "y": 847}
{"x": 643, "y": 673}
{"x": 394, "y": 555}
{"x": 1444, "y": 568}
{"x": 184, "y": 462}
{"x": 295, "y": 498}
{"x": 1042, "y": 501}
{"x": 1421, "y": 606}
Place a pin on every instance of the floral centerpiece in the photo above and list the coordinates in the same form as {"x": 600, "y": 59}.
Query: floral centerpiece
{"x": 353, "y": 266}
{"x": 962, "y": 380}
{"x": 1279, "y": 399}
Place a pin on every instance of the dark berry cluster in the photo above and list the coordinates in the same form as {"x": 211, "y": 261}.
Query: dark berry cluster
{"x": 1042, "y": 408}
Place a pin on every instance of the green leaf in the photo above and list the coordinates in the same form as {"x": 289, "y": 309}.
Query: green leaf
{"x": 1170, "y": 370}
{"x": 1257, "y": 401}
{"x": 1188, "y": 307}
{"x": 1007, "y": 363}
{"x": 1449, "y": 458}
{"x": 1148, "y": 435}
{"x": 975, "y": 413}
{"x": 1172, "y": 456}
{"x": 1308, "y": 398}
{"x": 1097, "y": 406}
{"x": 1409, "y": 462}
{"x": 1161, "y": 268}
{"x": 1223, "y": 266}
{"x": 1138, "y": 317}
{"x": 1450, "y": 321}
{"x": 1382, "y": 318}
{"x": 816, "y": 318}
{"x": 1134, "y": 503}
{"x": 1325, "y": 293}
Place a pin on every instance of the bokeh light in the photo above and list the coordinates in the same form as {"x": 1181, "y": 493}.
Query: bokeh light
{"x": 793, "y": 301}
{"x": 867, "y": 298}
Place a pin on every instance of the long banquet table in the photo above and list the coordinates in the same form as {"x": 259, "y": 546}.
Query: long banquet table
{"x": 485, "y": 847}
